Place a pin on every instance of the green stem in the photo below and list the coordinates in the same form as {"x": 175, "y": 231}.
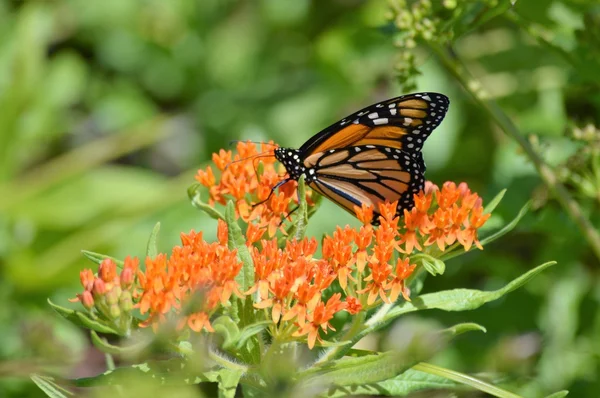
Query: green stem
{"x": 464, "y": 379}
{"x": 337, "y": 352}
{"x": 571, "y": 207}
{"x": 226, "y": 363}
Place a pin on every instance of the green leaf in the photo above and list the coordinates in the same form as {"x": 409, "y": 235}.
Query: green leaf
{"x": 170, "y": 371}
{"x": 558, "y": 394}
{"x": 228, "y": 382}
{"x": 151, "y": 249}
{"x": 401, "y": 385}
{"x": 81, "y": 319}
{"x": 49, "y": 387}
{"x": 245, "y": 278}
{"x": 108, "y": 348}
{"x": 494, "y": 202}
{"x": 448, "y": 300}
{"x": 250, "y": 331}
{"x": 66, "y": 313}
{"x": 93, "y": 324}
{"x": 431, "y": 264}
{"x": 464, "y": 379}
{"x": 228, "y": 329}
{"x": 98, "y": 258}
{"x": 350, "y": 371}
{"x": 508, "y": 227}
{"x": 462, "y": 299}
{"x": 462, "y": 328}
{"x": 298, "y": 228}
{"x": 194, "y": 195}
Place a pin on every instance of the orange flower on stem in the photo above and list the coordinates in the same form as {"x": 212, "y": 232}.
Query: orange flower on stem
{"x": 251, "y": 189}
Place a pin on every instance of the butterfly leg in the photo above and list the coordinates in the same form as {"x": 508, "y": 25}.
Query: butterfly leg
{"x": 280, "y": 183}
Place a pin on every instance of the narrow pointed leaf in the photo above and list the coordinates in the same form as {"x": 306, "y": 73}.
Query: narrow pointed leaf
{"x": 98, "y": 258}
{"x": 66, "y": 313}
{"x": 92, "y": 324}
{"x": 108, "y": 348}
{"x": 494, "y": 202}
{"x": 151, "y": 248}
{"x": 299, "y": 227}
{"x": 251, "y": 330}
{"x": 559, "y": 394}
{"x": 194, "y": 195}
{"x": 462, "y": 328}
{"x": 350, "y": 371}
{"x": 463, "y": 299}
{"x": 508, "y": 227}
{"x": 245, "y": 277}
{"x": 49, "y": 387}
{"x": 447, "y": 300}
{"x": 402, "y": 385}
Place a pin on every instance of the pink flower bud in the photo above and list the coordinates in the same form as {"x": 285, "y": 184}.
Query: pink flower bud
{"x": 99, "y": 288}
{"x": 87, "y": 300}
{"x": 127, "y": 278}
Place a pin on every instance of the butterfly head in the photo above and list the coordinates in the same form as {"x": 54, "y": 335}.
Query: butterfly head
{"x": 290, "y": 158}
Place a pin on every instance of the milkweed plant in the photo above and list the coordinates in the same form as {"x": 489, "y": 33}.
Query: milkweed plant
{"x": 267, "y": 311}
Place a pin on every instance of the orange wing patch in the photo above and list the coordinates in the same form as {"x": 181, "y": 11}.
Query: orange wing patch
{"x": 344, "y": 137}
{"x": 413, "y": 113}
{"x": 348, "y": 171}
{"x": 414, "y": 103}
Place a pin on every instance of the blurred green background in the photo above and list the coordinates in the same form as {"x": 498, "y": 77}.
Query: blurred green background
{"x": 107, "y": 109}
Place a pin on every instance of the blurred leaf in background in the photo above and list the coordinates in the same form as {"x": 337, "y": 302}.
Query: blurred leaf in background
{"x": 107, "y": 108}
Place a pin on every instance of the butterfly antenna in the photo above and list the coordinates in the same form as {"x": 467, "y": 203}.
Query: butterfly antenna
{"x": 252, "y": 142}
{"x": 253, "y": 157}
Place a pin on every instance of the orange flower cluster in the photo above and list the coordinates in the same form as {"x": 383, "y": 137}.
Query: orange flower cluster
{"x": 198, "y": 274}
{"x": 241, "y": 182}
{"x": 443, "y": 216}
{"x": 290, "y": 281}
{"x": 367, "y": 266}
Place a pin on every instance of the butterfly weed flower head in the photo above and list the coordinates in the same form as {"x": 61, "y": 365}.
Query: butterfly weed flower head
{"x": 249, "y": 177}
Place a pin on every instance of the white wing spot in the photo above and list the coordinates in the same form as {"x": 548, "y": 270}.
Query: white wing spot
{"x": 407, "y": 121}
{"x": 410, "y": 145}
{"x": 426, "y": 97}
{"x": 373, "y": 115}
{"x": 393, "y": 112}
{"x": 382, "y": 120}
{"x": 370, "y": 146}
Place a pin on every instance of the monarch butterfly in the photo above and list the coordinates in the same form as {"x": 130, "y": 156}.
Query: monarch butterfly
{"x": 371, "y": 156}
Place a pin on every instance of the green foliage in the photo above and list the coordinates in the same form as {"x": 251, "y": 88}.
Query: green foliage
{"x": 107, "y": 108}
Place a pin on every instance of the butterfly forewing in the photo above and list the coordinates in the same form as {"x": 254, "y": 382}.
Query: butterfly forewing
{"x": 403, "y": 123}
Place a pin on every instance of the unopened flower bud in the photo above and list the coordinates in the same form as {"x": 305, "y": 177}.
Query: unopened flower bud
{"x": 127, "y": 278}
{"x": 86, "y": 277}
{"x": 87, "y": 300}
{"x": 125, "y": 301}
{"x": 107, "y": 270}
{"x": 114, "y": 311}
{"x": 99, "y": 287}
{"x": 112, "y": 297}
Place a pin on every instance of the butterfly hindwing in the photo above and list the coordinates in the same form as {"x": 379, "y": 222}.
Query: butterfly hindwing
{"x": 370, "y": 175}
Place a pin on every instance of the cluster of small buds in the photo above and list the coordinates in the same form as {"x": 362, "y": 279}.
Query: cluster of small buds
{"x": 109, "y": 295}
